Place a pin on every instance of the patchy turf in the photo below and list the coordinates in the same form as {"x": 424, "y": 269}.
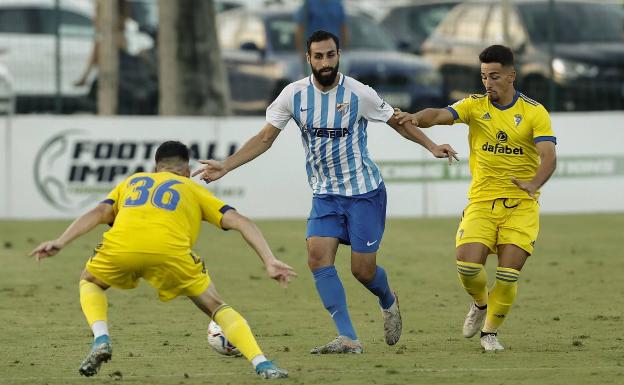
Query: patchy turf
{"x": 566, "y": 327}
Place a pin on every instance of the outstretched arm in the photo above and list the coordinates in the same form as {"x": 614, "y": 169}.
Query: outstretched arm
{"x": 276, "y": 269}
{"x": 257, "y": 145}
{"x": 425, "y": 118}
{"x": 413, "y": 133}
{"x": 102, "y": 213}
{"x": 548, "y": 163}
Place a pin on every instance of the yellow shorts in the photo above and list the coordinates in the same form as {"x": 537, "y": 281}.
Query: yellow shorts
{"x": 172, "y": 276}
{"x": 500, "y": 221}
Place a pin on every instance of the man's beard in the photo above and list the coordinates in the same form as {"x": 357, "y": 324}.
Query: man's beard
{"x": 325, "y": 79}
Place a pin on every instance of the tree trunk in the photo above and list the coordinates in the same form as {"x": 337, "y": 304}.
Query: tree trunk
{"x": 107, "y": 55}
{"x": 193, "y": 80}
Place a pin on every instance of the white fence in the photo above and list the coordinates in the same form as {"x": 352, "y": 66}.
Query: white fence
{"x": 59, "y": 166}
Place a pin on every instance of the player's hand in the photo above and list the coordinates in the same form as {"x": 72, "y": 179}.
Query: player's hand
{"x": 528, "y": 187}
{"x": 210, "y": 171}
{"x": 445, "y": 151}
{"x": 280, "y": 272}
{"x": 46, "y": 249}
{"x": 402, "y": 117}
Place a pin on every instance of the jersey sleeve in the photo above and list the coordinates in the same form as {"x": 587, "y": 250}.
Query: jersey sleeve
{"x": 212, "y": 208}
{"x": 461, "y": 110}
{"x": 374, "y": 108}
{"x": 542, "y": 129}
{"x": 115, "y": 196}
{"x": 280, "y": 111}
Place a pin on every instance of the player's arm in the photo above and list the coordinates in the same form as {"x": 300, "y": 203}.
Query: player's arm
{"x": 276, "y": 269}
{"x": 254, "y": 147}
{"x": 548, "y": 163}
{"x": 413, "y": 133}
{"x": 102, "y": 213}
{"x": 426, "y": 118}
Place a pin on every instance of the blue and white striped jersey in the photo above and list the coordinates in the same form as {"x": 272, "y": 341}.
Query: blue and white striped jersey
{"x": 333, "y": 132}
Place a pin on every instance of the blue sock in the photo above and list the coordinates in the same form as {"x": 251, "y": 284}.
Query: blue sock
{"x": 332, "y": 294}
{"x": 379, "y": 286}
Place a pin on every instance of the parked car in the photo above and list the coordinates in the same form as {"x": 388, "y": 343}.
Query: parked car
{"x": 410, "y": 23}
{"x": 258, "y": 48}
{"x": 145, "y": 13}
{"x": 28, "y": 50}
{"x": 588, "y": 62}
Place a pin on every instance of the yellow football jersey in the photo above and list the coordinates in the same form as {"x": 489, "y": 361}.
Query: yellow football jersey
{"x": 502, "y": 143}
{"x": 159, "y": 213}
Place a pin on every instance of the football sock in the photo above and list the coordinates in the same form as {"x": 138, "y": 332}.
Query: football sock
{"x": 100, "y": 328}
{"x": 237, "y": 331}
{"x": 501, "y": 298}
{"x": 474, "y": 280}
{"x": 101, "y": 339}
{"x": 260, "y": 358}
{"x": 333, "y": 296}
{"x": 94, "y": 306}
{"x": 379, "y": 286}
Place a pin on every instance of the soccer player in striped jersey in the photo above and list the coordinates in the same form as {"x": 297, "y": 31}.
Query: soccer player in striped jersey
{"x": 512, "y": 155}
{"x": 155, "y": 220}
{"x": 332, "y": 112}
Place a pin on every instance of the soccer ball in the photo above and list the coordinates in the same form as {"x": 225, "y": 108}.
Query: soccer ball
{"x": 220, "y": 344}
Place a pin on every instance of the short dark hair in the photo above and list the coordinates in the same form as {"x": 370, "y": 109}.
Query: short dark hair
{"x": 172, "y": 149}
{"x": 321, "y": 35}
{"x": 497, "y": 54}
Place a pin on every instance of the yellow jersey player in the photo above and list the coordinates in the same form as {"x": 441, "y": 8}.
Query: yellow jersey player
{"x": 155, "y": 219}
{"x": 512, "y": 154}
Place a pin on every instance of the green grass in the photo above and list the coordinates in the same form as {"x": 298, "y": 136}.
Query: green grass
{"x": 566, "y": 326}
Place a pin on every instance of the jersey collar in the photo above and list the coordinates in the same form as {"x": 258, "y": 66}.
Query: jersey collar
{"x": 513, "y": 101}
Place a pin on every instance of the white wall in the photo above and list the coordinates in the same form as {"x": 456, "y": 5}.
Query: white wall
{"x": 44, "y": 150}
{"x": 4, "y": 159}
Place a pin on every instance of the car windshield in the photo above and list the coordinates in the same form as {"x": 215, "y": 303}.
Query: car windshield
{"x": 575, "y": 22}
{"x": 364, "y": 33}
{"x": 425, "y": 19}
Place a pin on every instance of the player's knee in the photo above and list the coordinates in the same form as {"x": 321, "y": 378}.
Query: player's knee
{"x": 364, "y": 274}
{"x": 317, "y": 260}
{"x": 86, "y": 276}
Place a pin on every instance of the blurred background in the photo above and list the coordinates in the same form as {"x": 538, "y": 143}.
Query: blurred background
{"x": 233, "y": 57}
{"x": 89, "y": 88}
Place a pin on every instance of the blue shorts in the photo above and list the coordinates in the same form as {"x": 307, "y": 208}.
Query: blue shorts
{"x": 357, "y": 220}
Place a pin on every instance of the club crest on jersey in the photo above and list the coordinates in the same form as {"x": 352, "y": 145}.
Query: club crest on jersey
{"x": 517, "y": 119}
{"x": 486, "y": 116}
{"x": 342, "y": 107}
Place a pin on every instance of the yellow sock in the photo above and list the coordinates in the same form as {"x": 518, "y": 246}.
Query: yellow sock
{"x": 474, "y": 280}
{"x": 93, "y": 301}
{"x": 501, "y": 298}
{"x": 237, "y": 331}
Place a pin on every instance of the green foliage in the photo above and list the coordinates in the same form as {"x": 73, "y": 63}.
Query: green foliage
{"x": 565, "y": 328}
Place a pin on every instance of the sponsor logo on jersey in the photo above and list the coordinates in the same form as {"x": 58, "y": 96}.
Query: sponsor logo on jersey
{"x": 330, "y": 132}
{"x": 502, "y": 149}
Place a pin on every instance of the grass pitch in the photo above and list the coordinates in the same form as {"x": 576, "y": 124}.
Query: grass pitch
{"x": 566, "y": 326}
